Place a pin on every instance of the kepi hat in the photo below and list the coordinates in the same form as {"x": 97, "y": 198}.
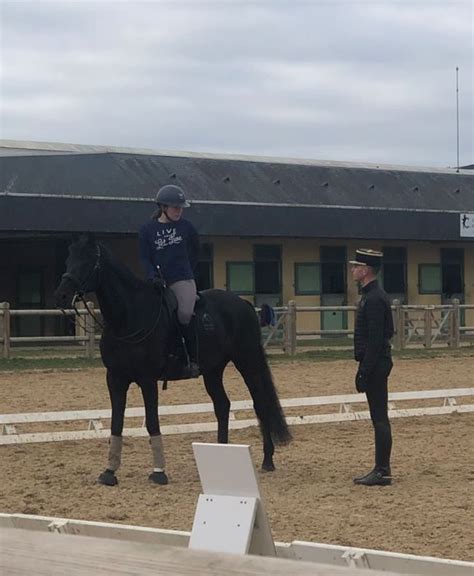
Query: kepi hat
{"x": 367, "y": 257}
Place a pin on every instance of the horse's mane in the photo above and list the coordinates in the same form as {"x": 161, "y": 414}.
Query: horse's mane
{"x": 125, "y": 273}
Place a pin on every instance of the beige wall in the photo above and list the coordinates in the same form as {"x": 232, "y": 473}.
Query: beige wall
{"x": 295, "y": 250}
{"x": 40, "y": 253}
{"x": 300, "y": 250}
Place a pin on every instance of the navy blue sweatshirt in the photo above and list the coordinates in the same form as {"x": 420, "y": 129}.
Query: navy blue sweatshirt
{"x": 173, "y": 246}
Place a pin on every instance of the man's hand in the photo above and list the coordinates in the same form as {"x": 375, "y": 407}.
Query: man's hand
{"x": 361, "y": 381}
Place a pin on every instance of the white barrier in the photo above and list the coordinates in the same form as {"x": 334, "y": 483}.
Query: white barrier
{"x": 9, "y": 435}
{"x": 230, "y": 514}
{"x": 327, "y": 554}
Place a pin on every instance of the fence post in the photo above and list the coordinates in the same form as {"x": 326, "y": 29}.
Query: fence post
{"x": 90, "y": 330}
{"x": 290, "y": 329}
{"x": 427, "y": 327}
{"x": 397, "y": 325}
{"x": 455, "y": 336}
{"x": 5, "y": 328}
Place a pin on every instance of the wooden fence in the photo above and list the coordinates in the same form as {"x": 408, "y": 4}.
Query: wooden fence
{"x": 415, "y": 325}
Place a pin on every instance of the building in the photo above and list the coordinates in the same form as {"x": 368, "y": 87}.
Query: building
{"x": 272, "y": 229}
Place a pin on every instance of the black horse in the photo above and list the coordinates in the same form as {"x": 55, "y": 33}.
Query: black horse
{"x": 138, "y": 325}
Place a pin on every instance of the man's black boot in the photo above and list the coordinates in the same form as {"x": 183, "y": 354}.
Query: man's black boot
{"x": 377, "y": 477}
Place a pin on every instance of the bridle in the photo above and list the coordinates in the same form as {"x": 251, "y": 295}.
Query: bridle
{"x": 81, "y": 289}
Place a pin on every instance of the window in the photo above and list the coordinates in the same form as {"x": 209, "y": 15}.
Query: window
{"x": 429, "y": 279}
{"x": 29, "y": 296}
{"x": 241, "y": 277}
{"x": 452, "y": 272}
{"x": 205, "y": 267}
{"x": 269, "y": 252}
{"x": 29, "y": 289}
{"x": 267, "y": 259}
{"x": 394, "y": 270}
{"x": 333, "y": 254}
{"x": 307, "y": 278}
{"x": 333, "y": 269}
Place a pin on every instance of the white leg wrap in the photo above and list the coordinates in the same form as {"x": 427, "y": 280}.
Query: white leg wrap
{"x": 115, "y": 452}
{"x": 156, "y": 444}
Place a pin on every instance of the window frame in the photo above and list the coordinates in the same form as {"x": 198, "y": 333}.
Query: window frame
{"x": 227, "y": 274}
{"x": 298, "y": 290}
{"x": 423, "y": 266}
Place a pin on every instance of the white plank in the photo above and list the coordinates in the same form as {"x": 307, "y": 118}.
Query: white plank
{"x": 380, "y": 560}
{"x": 351, "y": 416}
{"x": 238, "y": 405}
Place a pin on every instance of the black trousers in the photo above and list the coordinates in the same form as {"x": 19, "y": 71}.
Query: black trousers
{"x": 377, "y": 397}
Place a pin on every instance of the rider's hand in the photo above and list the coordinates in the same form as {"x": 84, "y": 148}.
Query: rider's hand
{"x": 158, "y": 283}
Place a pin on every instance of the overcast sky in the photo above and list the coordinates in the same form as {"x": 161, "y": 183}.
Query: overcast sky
{"x": 370, "y": 81}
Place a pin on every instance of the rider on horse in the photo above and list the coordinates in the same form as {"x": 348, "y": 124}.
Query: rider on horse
{"x": 169, "y": 250}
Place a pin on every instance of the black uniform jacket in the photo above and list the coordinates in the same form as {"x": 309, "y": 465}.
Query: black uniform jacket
{"x": 373, "y": 328}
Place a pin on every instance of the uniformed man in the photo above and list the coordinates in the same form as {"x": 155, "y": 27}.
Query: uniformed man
{"x": 372, "y": 333}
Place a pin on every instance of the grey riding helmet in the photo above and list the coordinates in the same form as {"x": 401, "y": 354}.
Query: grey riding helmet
{"x": 172, "y": 195}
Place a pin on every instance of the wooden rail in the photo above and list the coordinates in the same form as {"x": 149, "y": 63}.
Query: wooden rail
{"x": 414, "y": 324}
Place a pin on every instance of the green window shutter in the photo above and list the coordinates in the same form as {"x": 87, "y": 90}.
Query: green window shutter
{"x": 240, "y": 277}
{"x": 429, "y": 279}
{"x": 307, "y": 278}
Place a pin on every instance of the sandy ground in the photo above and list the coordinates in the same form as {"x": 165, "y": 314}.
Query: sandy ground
{"x": 427, "y": 511}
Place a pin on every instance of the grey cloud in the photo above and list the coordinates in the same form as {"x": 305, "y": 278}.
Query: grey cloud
{"x": 354, "y": 80}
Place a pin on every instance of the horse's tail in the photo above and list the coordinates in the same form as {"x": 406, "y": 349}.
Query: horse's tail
{"x": 251, "y": 361}
{"x": 274, "y": 417}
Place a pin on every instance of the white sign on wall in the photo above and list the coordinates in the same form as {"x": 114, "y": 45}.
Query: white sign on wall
{"x": 467, "y": 225}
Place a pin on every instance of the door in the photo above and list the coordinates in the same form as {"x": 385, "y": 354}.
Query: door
{"x": 452, "y": 278}
{"x": 333, "y": 287}
{"x": 267, "y": 268}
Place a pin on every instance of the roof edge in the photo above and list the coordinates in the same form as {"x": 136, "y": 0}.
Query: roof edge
{"x": 93, "y": 149}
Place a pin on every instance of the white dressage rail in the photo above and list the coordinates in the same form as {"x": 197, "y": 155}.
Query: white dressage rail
{"x": 333, "y": 555}
{"x": 9, "y": 435}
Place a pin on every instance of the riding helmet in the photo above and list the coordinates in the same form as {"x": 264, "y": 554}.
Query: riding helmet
{"x": 172, "y": 195}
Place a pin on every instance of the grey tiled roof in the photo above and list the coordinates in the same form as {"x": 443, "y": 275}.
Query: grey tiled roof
{"x": 125, "y": 183}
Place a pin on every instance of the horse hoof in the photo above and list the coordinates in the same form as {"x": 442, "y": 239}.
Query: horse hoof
{"x": 158, "y": 478}
{"x": 108, "y": 478}
{"x": 268, "y": 467}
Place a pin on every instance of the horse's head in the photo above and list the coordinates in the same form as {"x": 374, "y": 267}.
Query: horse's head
{"x": 82, "y": 271}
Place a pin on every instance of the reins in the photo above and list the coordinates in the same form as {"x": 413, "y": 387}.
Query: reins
{"x": 132, "y": 338}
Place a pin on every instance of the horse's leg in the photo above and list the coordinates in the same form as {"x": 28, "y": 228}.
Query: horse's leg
{"x": 149, "y": 388}
{"x": 254, "y": 380}
{"x": 215, "y": 389}
{"x": 118, "y": 388}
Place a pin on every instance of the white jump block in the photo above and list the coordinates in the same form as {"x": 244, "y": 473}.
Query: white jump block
{"x": 230, "y": 515}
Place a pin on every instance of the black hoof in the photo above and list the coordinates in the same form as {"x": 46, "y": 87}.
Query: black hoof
{"x": 158, "y": 478}
{"x": 108, "y": 478}
{"x": 268, "y": 467}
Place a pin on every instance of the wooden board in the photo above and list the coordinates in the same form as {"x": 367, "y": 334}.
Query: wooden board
{"x": 25, "y": 552}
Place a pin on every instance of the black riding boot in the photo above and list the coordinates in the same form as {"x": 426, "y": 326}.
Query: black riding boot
{"x": 191, "y": 368}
